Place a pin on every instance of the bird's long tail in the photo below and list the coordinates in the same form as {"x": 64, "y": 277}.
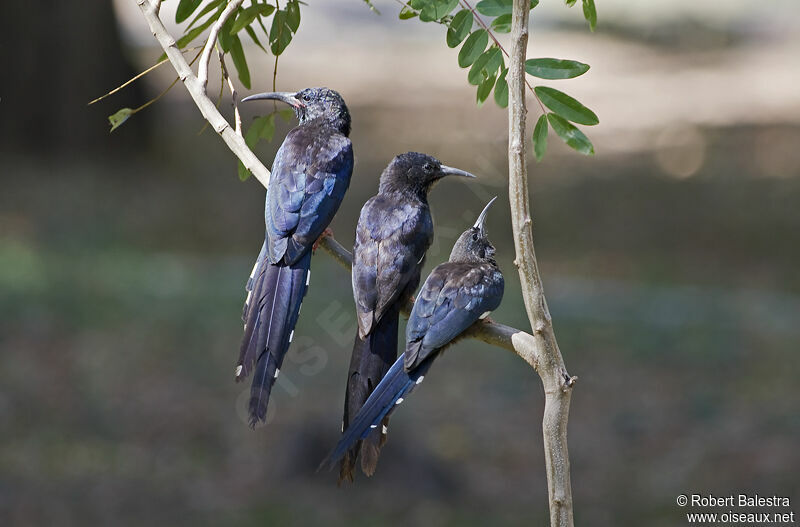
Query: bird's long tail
{"x": 390, "y": 392}
{"x": 271, "y": 311}
{"x": 371, "y": 359}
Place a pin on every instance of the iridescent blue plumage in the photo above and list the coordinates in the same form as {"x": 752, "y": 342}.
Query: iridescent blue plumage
{"x": 310, "y": 175}
{"x": 455, "y": 295}
{"x": 394, "y": 231}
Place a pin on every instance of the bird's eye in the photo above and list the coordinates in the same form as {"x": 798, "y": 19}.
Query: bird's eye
{"x": 475, "y": 236}
{"x": 427, "y": 167}
{"x": 306, "y": 97}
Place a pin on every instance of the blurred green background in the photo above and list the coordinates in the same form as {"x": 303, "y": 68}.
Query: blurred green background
{"x": 669, "y": 259}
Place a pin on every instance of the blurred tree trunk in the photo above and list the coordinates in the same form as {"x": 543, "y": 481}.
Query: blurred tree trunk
{"x": 57, "y": 56}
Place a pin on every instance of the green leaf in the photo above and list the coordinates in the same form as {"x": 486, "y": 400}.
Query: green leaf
{"x": 501, "y": 89}
{"x": 540, "y": 137}
{"x": 293, "y": 15}
{"x": 574, "y": 138}
{"x": 246, "y": 16}
{"x": 280, "y": 34}
{"x": 498, "y": 7}
{"x": 208, "y": 8}
{"x": 459, "y": 28}
{"x": 485, "y": 89}
{"x": 555, "y": 68}
{"x": 502, "y": 24}
{"x": 186, "y": 39}
{"x": 120, "y": 117}
{"x": 262, "y": 128}
{"x": 237, "y": 54}
{"x": 286, "y": 114}
{"x": 570, "y": 3}
{"x": 437, "y": 9}
{"x": 225, "y": 38}
{"x": 473, "y": 47}
{"x": 494, "y": 7}
{"x": 407, "y": 13}
{"x": 566, "y": 106}
{"x": 252, "y": 33}
{"x": 484, "y": 66}
{"x": 590, "y": 13}
{"x": 243, "y": 172}
{"x": 186, "y": 8}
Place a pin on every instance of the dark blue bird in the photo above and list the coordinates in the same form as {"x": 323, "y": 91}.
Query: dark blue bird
{"x": 310, "y": 175}
{"x": 455, "y": 295}
{"x": 394, "y": 232}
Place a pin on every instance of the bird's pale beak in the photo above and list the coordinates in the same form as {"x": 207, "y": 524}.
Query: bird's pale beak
{"x": 450, "y": 171}
{"x": 480, "y": 224}
{"x": 284, "y": 96}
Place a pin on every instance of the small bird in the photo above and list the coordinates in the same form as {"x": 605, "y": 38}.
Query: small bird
{"x": 310, "y": 175}
{"x": 394, "y": 232}
{"x": 455, "y": 295}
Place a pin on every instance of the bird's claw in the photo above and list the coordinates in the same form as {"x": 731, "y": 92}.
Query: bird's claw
{"x": 328, "y": 232}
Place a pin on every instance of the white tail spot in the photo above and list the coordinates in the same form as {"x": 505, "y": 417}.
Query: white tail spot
{"x": 291, "y": 336}
{"x": 420, "y": 379}
{"x": 485, "y": 315}
{"x": 308, "y": 277}
{"x": 343, "y": 427}
{"x": 373, "y": 426}
{"x": 400, "y": 400}
{"x": 277, "y": 372}
{"x": 238, "y": 370}
{"x": 385, "y": 429}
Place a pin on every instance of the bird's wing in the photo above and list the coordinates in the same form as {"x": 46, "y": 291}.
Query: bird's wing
{"x": 310, "y": 175}
{"x": 453, "y": 297}
{"x": 391, "y": 240}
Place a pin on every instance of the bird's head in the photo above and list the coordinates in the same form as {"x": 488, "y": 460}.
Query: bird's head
{"x": 313, "y": 103}
{"x": 474, "y": 245}
{"x": 416, "y": 173}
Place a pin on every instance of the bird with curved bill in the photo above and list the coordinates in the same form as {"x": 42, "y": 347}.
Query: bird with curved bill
{"x": 310, "y": 175}
{"x": 455, "y": 295}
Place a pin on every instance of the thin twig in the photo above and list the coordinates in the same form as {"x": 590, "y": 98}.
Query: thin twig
{"x": 236, "y": 115}
{"x": 202, "y": 70}
{"x": 465, "y": 4}
{"x": 507, "y": 337}
{"x": 556, "y": 381}
{"x": 198, "y": 93}
{"x": 163, "y": 93}
{"x": 139, "y": 76}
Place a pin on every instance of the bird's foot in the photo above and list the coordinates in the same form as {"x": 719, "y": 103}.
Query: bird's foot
{"x": 328, "y": 232}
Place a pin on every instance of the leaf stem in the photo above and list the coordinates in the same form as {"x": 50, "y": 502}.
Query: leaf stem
{"x": 465, "y": 4}
{"x": 139, "y": 76}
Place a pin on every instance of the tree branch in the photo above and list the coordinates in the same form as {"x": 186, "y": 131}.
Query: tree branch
{"x": 237, "y": 117}
{"x": 539, "y": 349}
{"x": 555, "y": 379}
{"x": 205, "y": 59}
{"x": 197, "y": 91}
{"x": 512, "y": 339}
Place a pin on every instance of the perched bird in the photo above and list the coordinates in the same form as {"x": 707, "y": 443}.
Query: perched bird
{"x": 394, "y": 232}
{"x": 455, "y": 295}
{"x": 310, "y": 175}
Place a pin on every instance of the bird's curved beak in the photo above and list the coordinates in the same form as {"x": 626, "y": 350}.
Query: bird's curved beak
{"x": 284, "y": 96}
{"x": 450, "y": 171}
{"x": 480, "y": 223}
